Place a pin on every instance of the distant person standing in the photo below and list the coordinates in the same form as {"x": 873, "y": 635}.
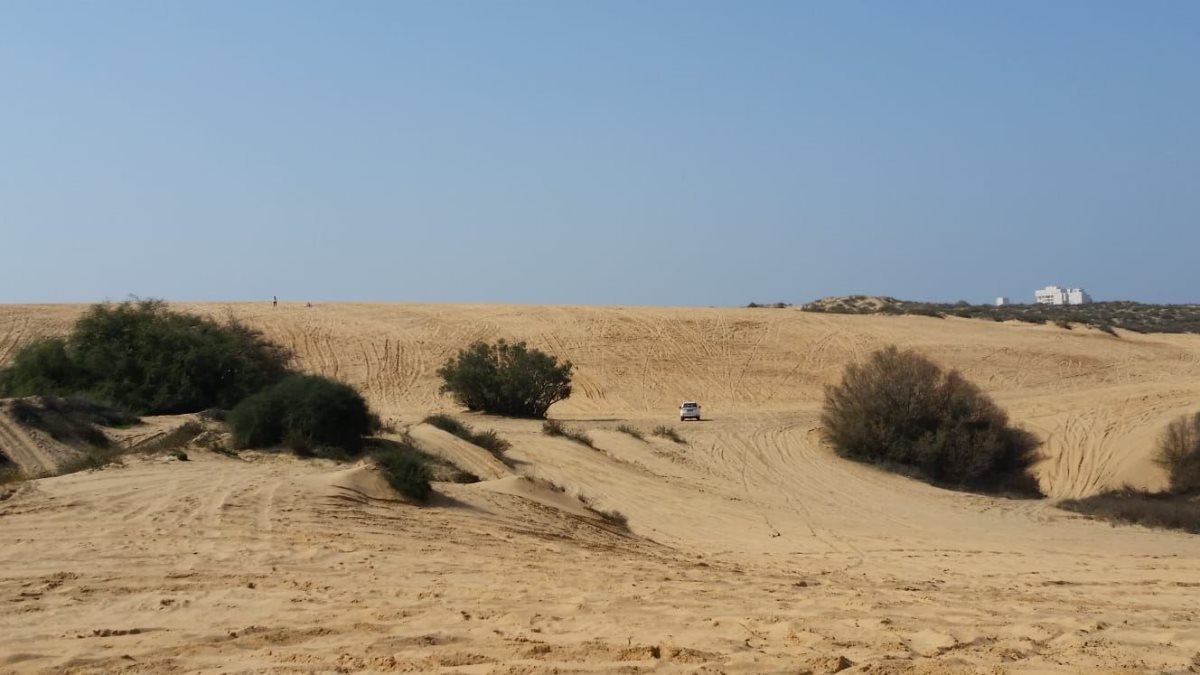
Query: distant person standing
{"x": 274, "y": 301}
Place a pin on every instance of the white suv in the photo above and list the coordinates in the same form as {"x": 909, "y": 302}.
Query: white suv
{"x": 690, "y": 410}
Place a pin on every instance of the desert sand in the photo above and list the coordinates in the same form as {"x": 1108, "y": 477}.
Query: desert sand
{"x": 750, "y": 548}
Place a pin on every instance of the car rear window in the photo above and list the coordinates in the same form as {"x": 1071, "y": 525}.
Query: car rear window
{"x": 691, "y": 404}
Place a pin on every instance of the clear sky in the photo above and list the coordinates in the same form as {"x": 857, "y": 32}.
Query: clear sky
{"x": 674, "y": 153}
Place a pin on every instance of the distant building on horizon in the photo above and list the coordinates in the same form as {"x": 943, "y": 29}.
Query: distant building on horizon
{"x": 1002, "y": 301}
{"x": 1053, "y": 295}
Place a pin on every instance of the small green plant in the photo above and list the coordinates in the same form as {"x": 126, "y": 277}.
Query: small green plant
{"x": 632, "y": 431}
{"x": 668, "y": 433}
{"x": 556, "y": 428}
{"x": 405, "y": 470}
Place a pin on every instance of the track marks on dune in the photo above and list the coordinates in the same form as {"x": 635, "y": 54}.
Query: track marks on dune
{"x": 1082, "y": 464}
{"x": 12, "y": 337}
{"x": 22, "y": 449}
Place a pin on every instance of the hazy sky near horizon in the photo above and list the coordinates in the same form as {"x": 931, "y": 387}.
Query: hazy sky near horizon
{"x": 651, "y": 153}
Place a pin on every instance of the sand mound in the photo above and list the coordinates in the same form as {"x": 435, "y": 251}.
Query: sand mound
{"x": 463, "y": 454}
{"x": 32, "y": 451}
{"x": 361, "y": 483}
{"x": 539, "y": 492}
{"x": 852, "y": 304}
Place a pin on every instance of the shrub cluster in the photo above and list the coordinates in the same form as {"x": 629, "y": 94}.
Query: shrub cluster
{"x": 506, "y": 379}
{"x": 900, "y": 407}
{"x": 488, "y": 440}
{"x": 304, "y": 412}
{"x": 144, "y": 357}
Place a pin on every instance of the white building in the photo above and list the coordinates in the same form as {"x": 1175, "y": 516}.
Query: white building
{"x": 1002, "y": 301}
{"x": 1053, "y": 295}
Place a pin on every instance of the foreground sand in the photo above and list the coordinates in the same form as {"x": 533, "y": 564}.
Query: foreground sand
{"x": 752, "y": 548}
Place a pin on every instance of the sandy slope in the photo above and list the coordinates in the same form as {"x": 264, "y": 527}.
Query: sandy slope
{"x": 752, "y": 549}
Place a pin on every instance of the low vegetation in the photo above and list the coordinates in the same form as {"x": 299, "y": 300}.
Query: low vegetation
{"x": 74, "y": 421}
{"x": 612, "y": 517}
{"x": 1137, "y": 507}
{"x": 632, "y": 431}
{"x": 488, "y": 440}
{"x": 769, "y": 305}
{"x": 306, "y": 413}
{"x": 92, "y": 459}
{"x": 669, "y": 433}
{"x": 1105, "y": 316}
{"x": 1179, "y": 454}
{"x": 144, "y": 357}
{"x": 901, "y": 409}
{"x": 405, "y": 469}
{"x": 506, "y": 379}
{"x": 556, "y": 428}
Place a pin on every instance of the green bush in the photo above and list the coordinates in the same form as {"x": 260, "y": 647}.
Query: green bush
{"x": 1179, "y": 453}
{"x": 144, "y": 357}
{"x": 305, "y": 413}
{"x": 41, "y": 367}
{"x": 406, "y": 471}
{"x": 899, "y": 407}
{"x": 506, "y": 379}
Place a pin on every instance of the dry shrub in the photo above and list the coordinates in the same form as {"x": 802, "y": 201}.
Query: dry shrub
{"x": 669, "y": 433}
{"x": 1179, "y": 453}
{"x": 900, "y": 408}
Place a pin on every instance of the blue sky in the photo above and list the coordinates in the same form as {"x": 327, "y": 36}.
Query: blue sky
{"x": 652, "y": 153}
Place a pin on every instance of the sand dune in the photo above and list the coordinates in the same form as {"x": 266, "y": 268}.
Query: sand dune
{"x": 750, "y": 547}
